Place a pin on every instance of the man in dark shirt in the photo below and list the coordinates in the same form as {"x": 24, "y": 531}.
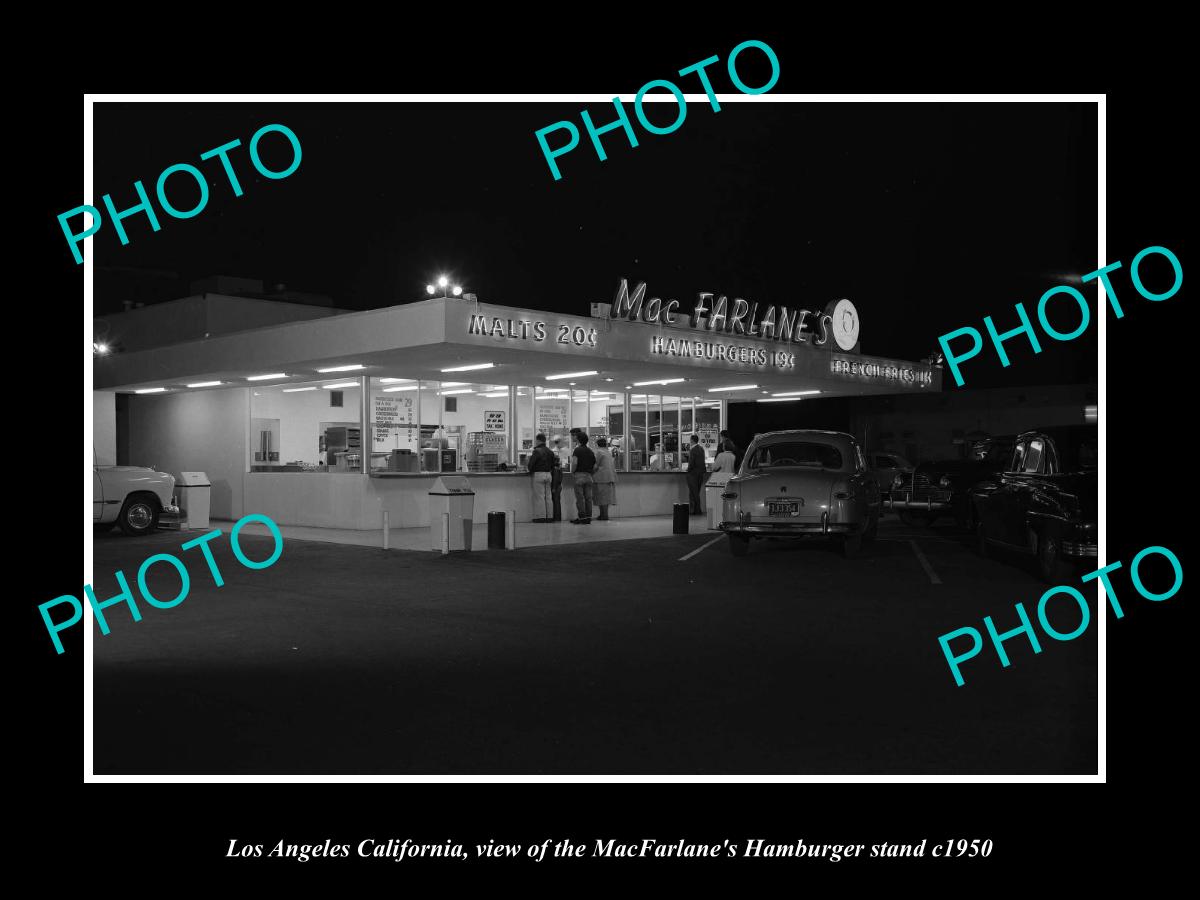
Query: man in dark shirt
{"x": 583, "y": 463}
{"x": 541, "y": 472}
{"x": 695, "y": 474}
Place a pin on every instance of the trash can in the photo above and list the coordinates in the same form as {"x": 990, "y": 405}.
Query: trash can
{"x": 679, "y": 524}
{"x": 451, "y": 495}
{"x": 713, "y": 488}
{"x": 495, "y": 530}
{"x": 194, "y": 497}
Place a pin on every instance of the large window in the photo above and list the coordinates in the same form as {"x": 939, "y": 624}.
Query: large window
{"x": 447, "y": 426}
{"x": 306, "y": 427}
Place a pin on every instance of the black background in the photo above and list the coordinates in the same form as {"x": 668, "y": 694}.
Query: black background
{"x": 1044, "y": 833}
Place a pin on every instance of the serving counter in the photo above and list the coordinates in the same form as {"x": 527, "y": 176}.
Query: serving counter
{"x": 339, "y": 500}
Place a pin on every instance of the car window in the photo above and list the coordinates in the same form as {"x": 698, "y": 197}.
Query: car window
{"x": 1033, "y": 457}
{"x": 796, "y": 453}
{"x": 1050, "y": 464}
{"x": 1018, "y": 458}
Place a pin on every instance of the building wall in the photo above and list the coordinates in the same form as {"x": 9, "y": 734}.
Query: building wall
{"x": 197, "y": 317}
{"x": 104, "y": 427}
{"x": 200, "y": 431}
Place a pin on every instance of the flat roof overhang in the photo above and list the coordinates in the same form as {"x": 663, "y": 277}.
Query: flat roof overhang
{"x": 420, "y": 340}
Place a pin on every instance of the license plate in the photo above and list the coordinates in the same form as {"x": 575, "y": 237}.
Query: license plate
{"x": 783, "y": 508}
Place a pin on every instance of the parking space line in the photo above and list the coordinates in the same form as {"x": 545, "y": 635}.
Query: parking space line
{"x": 933, "y": 577}
{"x": 700, "y": 548}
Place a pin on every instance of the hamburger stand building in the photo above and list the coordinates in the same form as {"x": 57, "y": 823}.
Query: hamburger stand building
{"x": 325, "y": 419}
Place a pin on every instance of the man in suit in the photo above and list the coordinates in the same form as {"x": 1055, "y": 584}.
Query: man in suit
{"x": 695, "y": 474}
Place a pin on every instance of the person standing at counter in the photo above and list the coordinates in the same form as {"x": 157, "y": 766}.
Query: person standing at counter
{"x": 724, "y": 439}
{"x": 726, "y": 459}
{"x": 583, "y": 464}
{"x": 541, "y": 472}
{"x": 695, "y": 474}
{"x": 556, "y": 478}
{"x": 605, "y": 478}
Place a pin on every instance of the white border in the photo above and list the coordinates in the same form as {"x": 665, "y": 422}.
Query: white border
{"x": 1101, "y": 257}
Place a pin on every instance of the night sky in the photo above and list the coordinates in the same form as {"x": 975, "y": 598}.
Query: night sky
{"x": 927, "y": 216}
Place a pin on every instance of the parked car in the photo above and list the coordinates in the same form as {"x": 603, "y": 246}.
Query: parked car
{"x": 1044, "y": 503}
{"x": 131, "y": 497}
{"x": 935, "y": 489}
{"x": 801, "y": 484}
{"x": 884, "y": 466}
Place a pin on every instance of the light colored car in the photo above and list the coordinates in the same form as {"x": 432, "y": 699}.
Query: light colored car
{"x": 131, "y": 497}
{"x": 801, "y": 484}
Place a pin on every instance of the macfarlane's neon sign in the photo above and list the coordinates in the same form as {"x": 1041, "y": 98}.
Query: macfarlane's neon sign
{"x": 715, "y": 313}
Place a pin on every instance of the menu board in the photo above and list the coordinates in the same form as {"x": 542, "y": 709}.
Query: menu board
{"x": 493, "y": 420}
{"x": 552, "y": 417}
{"x": 394, "y": 422}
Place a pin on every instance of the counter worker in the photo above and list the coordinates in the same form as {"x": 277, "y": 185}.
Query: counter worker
{"x": 605, "y": 478}
{"x": 556, "y": 477}
{"x": 656, "y": 458}
{"x": 695, "y": 474}
{"x": 542, "y": 464}
{"x": 583, "y": 464}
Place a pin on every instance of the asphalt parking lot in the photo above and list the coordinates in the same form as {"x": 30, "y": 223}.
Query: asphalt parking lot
{"x": 621, "y": 657}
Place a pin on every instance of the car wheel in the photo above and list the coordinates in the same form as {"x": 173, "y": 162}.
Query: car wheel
{"x": 139, "y": 515}
{"x": 739, "y": 545}
{"x": 852, "y": 545}
{"x": 1052, "y": 566}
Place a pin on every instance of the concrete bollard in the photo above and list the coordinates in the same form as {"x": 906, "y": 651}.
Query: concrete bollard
{"x": 386, "y": 530}
{"x": 445, "y": 534}
{"x": 512, "y": 529}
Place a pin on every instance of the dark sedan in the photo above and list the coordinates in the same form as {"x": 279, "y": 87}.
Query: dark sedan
{"x": 936, "y": 489}
{"x": 1044, "y": 504}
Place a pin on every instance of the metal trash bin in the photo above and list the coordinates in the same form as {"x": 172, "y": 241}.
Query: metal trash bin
{"x": 496, "y": 521}
{"x": 679, "y": 524}
{"x": 451, "y": 495}
{"x": 713, "y": 488}
{"x": 195, "y": 497}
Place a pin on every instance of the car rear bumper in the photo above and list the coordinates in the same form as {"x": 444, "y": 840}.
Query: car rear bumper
{"x": 790, "y": 529}
{"x": 905, "y": 500}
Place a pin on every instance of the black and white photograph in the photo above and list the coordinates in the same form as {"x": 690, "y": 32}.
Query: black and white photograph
{"x": 657, "y": 466}
{"x": 752, "y": 454}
